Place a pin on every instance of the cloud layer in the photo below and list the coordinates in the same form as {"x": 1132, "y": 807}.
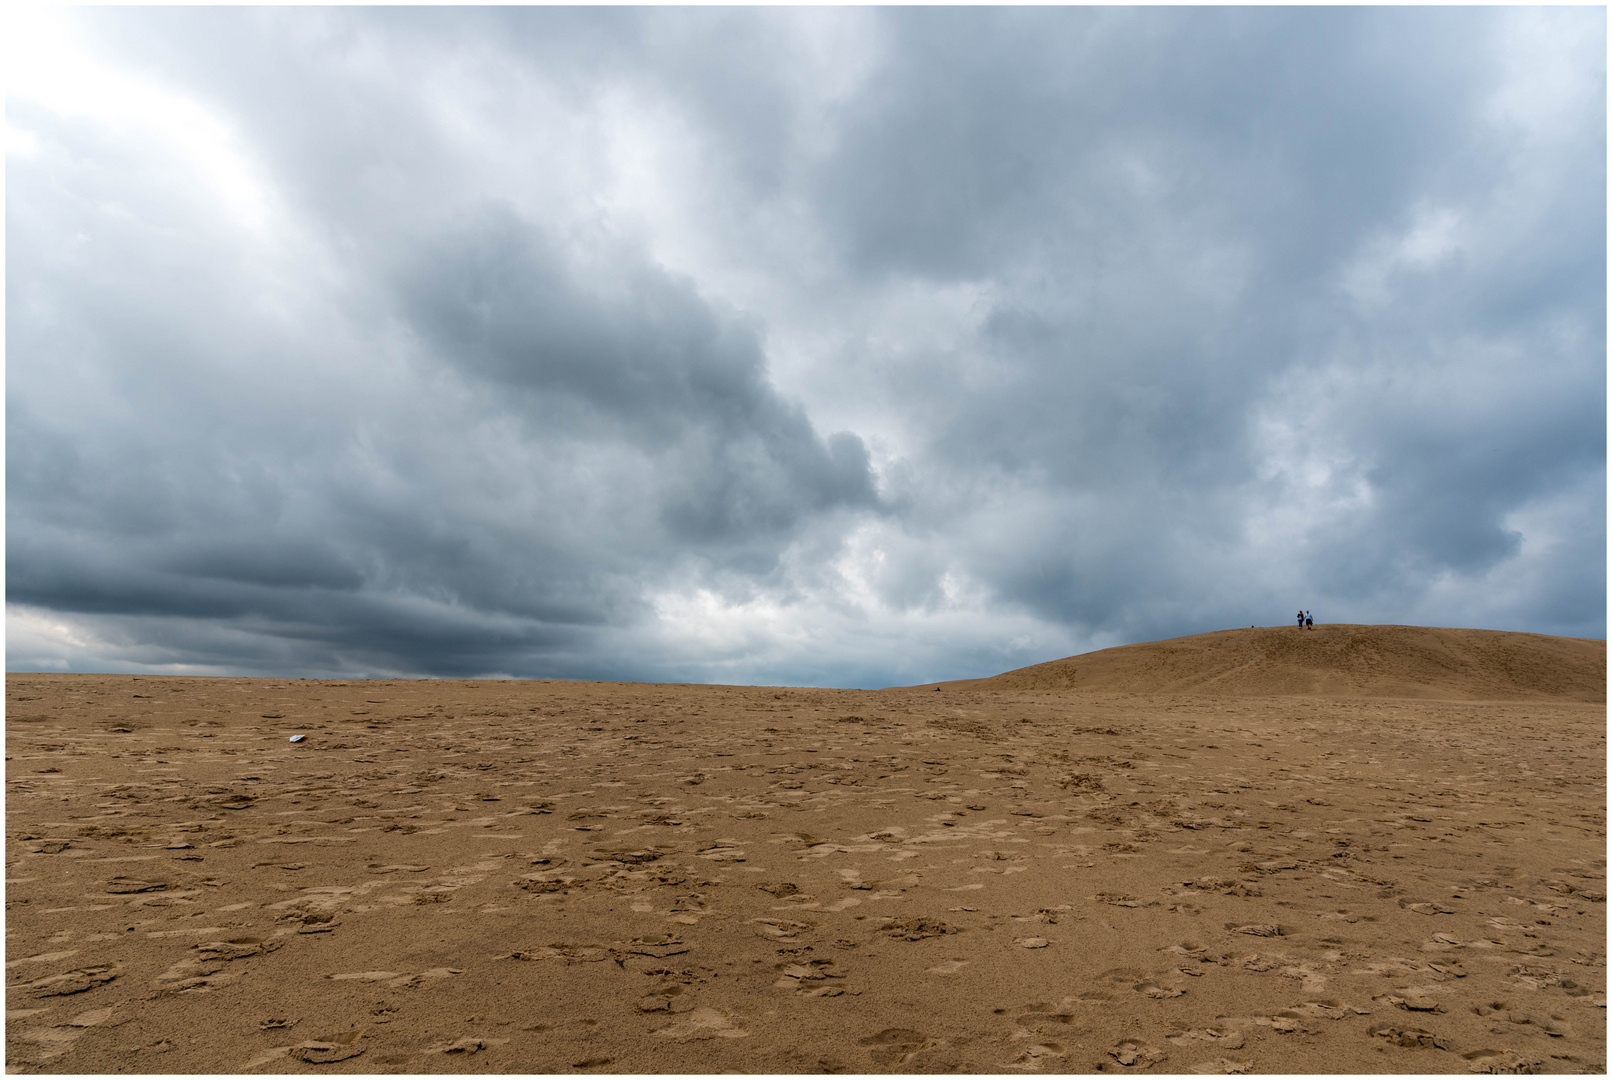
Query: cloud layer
{"x": 834, "y": 346}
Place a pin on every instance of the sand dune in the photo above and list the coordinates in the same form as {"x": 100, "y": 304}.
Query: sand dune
{"x": 1335, "y": 661}
{"x": 492, "y": 877}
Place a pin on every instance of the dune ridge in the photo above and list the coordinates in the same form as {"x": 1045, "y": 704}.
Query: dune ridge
{"x": 1349, "y": 661}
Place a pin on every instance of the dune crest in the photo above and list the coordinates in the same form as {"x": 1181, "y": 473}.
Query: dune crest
{"x": 1350, "y": 661}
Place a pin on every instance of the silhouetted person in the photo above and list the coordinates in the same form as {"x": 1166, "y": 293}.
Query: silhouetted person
{"x": 1301, "y": 620}
{"x": 1309, "y": 621}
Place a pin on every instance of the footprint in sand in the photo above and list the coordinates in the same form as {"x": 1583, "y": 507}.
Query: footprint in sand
{"x": 1117, "y": 977}
{"x": 1222, "y": 1066}
{"x": 1256, "y": 929}
{"x": 547, "y": 881}
{"x": 49, "y": 1043}
{"x": 1310, "y": 980}
{"x": 93, "y": 1018}
{"x": 1220, "y": 1037}
{"x": 779, "y": 889}
{"x": 72, "y": 982}
{"x": 655, "y": 945}
{"x": 470, "y": 1044}
{"x": 1327, "y": 1009}
{"x": 571, "y": 954}
{"x": 779, "y": 929}
{"x": 1411, "y": 999}
{"x": 1133, "y": 1052}
{"x": 1502, "y": 1062}
{"x": 328, "y": 1050}
{"x": 195, "y": 975}
{"x": 918, "y": 929}
{"x": 1122, "y": 900}
{"x": 668, "y": 998}
{"x": 234, "y": 949}
{"x": 396, "y": 978}
{"x": 635, "y": 857}
{"x": 809, "y": 979}
{"x": 313, "y": 922}
{"x": 1036, "y": 1055}
{"x": 1551, "y": 1024}
{"x": 704, "y": 1023}
{"x": 1151, "y": 989}
{"x": 206, "y": 932}
{"x": 1410, "y": 1038}
{"x": 124, "y": 886}
{"x": 894, "y": 1046}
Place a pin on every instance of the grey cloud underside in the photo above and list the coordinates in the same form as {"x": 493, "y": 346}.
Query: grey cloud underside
{"x": 658, "y": 372}
{"x": 1260, "y": 307}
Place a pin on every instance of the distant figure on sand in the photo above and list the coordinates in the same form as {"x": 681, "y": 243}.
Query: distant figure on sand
{"x": 1309, "y": 621}
{"x": 1301, "y": 620}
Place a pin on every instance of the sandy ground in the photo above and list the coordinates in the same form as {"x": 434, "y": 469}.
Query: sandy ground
{"x": 527, "y": 877}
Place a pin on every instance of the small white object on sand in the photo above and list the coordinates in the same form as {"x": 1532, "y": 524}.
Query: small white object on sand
{"x": 298, "y": 738}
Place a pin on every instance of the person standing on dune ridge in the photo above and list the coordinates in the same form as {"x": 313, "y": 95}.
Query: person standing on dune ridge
{"x": 1301, "y": 620}
{"x": 1309, "y": 621}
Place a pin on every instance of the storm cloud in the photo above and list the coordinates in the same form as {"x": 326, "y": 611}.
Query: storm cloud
{"x": 826, "y": 346}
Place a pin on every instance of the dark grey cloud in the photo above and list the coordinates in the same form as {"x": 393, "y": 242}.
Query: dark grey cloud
{"x": 845, "y": 346}
{"x": 657, "y": 370}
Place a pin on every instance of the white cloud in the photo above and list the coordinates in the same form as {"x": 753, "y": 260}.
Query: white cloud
{"x": 49, "y": 66}
{"x": 1434, "y": 235}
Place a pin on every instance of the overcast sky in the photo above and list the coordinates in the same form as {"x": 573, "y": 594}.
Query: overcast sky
{"x": 836, "y": 346}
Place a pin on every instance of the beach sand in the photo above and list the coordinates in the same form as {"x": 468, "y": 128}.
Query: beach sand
{"x": 1172, "y": 869}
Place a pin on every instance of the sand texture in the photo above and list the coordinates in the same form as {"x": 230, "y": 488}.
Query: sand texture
{"x": 581, "y": 877}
